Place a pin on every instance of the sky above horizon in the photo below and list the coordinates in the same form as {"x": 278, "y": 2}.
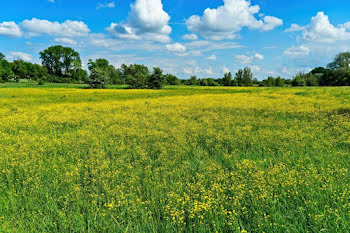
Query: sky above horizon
{"x": 206, "y": 38}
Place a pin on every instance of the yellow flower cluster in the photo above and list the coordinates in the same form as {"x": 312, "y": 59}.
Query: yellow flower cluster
{"x": 184, "y": 159}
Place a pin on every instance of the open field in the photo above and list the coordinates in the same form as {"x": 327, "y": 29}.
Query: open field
{"x": 182, "y": 159}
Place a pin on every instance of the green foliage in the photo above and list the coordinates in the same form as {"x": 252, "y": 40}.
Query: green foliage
{"x": 136, "y": 76}
{"x": 193, "y": 81}
{"x": 102, "y": 73}
{"x": 98, "y": 78}
{"x": 61, "y": 61}
{"x": 5, "y": 70}
{"x": 171, "y": 80}
{"x": 156, "y": 79}
{"x": 239, "y": 78}
{"x": 247, "y": 77}
{"x": 227, "y": 81}
{"x": 341, "y": 61}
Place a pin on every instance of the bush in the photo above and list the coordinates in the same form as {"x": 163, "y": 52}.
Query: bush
{"x": 98, "y": 78}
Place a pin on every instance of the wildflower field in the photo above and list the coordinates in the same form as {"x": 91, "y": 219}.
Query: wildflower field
{"x": 182, "y": 159}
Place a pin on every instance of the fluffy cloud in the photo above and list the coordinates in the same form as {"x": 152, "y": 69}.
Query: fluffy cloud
{"x": 190, "y": 37}
{"x": 297, "y": 51}
{"x": 246, "y": 60}
{"x": 36, "y": 27}
{"x": 319, "y": 38}
{"x": 147, "y": 20}
{"x": 22, "y": 56}
{"x": 322, "y": 31}
{"x": 294, "y": 28}
{"x": 225, "y": 21}
{"x": 10, "y": 29}
{"x": 177, "y": 47}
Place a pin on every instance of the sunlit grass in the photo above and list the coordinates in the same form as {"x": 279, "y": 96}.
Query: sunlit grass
{"x": 182, "y": 159}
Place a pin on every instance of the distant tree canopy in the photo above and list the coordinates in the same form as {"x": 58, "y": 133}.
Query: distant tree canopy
{"x": 102, "y": 73}
{"x": 341, "y": 61}
{"x": 62, "y": 62}
{"x": 63, "y": 65}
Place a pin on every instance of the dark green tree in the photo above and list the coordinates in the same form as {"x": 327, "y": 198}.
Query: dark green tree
{"x": 61, "y": 61}
{"x": 20, "y": 70}
{"x": 156, "y": 79}
{"x": 171, "y": 80}
{"x": 193, "y": 81}
{"x": 136, "y": 76}
{"x": 299, "y": 80}
{"x": 5, "y": 69}
{"x": 247, "y": 77}
{"x": 280, "y": 82}
{"x": 239, "y": 78}
{"x": 227, "y": 81}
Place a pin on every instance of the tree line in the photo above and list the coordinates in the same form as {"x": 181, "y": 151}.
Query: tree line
{"x": 63, "y": 65}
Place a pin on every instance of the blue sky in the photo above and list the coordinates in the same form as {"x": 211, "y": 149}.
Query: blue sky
{"x": 199, "y": 37}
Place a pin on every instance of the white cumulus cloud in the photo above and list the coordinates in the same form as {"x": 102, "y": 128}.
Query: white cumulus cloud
{"x": 177, "y": 47}
{"x": 20, "y": 56}
{"x": 146, "y": 20}
{"x": 68, "y": 28}
{"x": 297, "y": 51}
{"x": 227, "y": 20}
{"x": 190, "y": 37}
{"x": 246, "y": 60}
{"x": 10, "y": 29}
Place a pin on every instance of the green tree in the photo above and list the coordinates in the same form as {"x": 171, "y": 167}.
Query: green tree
{"x": 239, "y": 78}
{"x": 280, "y": 82}
{"x": 156, "y": 79}
{"x": 36, "y": 72}
{"x": 5, "y": 69}
{"x": 171, "y": 80}
{"x": 136, "y": 76}
{"x": 299, "y": 80}
{"x": 98, "y": 78}
{"x": 20, "y": 71}
{"x": 269, "y": 82}
{"x": 227, "y": 81}
{"x": 247, "y": 77}
{"x": 112, "y": 73}
{"x": 61, "y": 61}
{"x": 341, "y": 61}
{"x": 101, "y": 66}
{"x": 193, "y": 81}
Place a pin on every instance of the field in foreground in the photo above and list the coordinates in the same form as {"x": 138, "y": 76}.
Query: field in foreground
{"x": 175, "y": 160}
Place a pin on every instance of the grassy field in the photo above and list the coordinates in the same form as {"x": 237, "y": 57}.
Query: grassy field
{"x": 182, "y": 159}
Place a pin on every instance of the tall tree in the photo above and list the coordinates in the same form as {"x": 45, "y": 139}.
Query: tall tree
{"x": 341, "y": 61}
{"x": 228, "y": 79}
{"x": 239, "y": 78}
{"x": 156, "y": 79}
{"x": 61, "y": 61}
{"x": 247, "y": 77}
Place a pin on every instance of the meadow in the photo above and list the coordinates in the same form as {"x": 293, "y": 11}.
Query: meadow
{"x": 181, "y": 159}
